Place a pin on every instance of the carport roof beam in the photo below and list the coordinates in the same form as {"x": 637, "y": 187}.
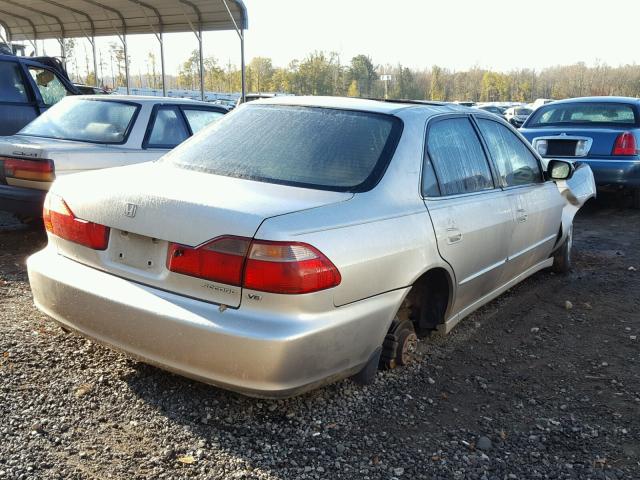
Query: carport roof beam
{"x": 208, "y": 15}
{"x": 120, "y": 18}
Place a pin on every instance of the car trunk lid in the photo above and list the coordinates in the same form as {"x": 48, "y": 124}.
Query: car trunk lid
{"x": 149, "y": 206}
{"x": 563, "y": 142}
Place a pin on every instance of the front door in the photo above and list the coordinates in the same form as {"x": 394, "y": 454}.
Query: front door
{"x": 535, "y": 204}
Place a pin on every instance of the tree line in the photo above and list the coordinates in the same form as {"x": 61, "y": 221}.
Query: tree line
{"x": 322, "y": 73}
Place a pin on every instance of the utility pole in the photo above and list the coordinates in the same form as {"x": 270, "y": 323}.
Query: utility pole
{"x": 385, "y": 78}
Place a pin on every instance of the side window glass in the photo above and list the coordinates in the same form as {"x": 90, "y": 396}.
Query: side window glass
{"x": 12, "y": 87}
{"x": 198, "y": 119}
{"x": 429, "y": 181}
{"x": 51, "y": 88}
{"x": 516, "y": 164}
{"x": 168, "y": 129}
{"x": 458, "y": 158}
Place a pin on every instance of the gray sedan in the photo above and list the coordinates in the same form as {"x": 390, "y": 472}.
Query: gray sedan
{"x": 298, "y": 240}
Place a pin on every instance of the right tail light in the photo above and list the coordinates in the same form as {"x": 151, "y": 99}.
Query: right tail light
{"x": 276, "y": 267}
{"x": 625, "y": 145}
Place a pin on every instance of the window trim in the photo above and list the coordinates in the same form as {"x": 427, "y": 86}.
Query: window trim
{"x": 127, "y": 133}
{"x": 522, "y": 140}
{"x": 426, "y": 154}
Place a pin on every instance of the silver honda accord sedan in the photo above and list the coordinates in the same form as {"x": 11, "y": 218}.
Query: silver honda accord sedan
{"x": 300, "y": 240}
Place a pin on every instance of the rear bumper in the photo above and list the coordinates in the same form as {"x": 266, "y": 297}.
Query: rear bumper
{"x": 614, "y": 172}
{"x": 23, "y": 201}
{"x": 266, "y": 355}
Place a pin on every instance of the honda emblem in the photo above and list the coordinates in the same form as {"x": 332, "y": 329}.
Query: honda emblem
{"x": 130, "y": 209}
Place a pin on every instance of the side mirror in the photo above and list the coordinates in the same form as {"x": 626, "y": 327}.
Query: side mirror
{"x": 559, "y": 170}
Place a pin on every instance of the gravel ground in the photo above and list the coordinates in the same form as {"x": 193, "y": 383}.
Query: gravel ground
{"x": 530, "y": 386}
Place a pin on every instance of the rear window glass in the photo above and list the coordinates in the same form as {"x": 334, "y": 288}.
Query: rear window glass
{"x": 97, "y": 121}
{"x": 581, "y": 113}
{"x": 313, "y": 147}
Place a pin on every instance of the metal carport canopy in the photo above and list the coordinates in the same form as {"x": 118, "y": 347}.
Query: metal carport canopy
{"x": 59, "y": 19}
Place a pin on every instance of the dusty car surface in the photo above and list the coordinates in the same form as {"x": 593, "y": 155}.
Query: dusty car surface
{"x": 302, "y": 240}
{"x": 92, "y": 132}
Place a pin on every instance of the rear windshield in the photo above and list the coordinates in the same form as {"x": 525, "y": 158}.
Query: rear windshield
{"x": 321, "y": 148}
{"x": 584, "y": 113}
{"x": 95, "y": 121}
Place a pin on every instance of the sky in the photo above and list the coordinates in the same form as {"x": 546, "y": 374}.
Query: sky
{"x": 457, "y": 34}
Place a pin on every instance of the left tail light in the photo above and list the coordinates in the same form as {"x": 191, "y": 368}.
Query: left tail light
{"x": 61, "y": 222}
{"x": 35, "y": 170}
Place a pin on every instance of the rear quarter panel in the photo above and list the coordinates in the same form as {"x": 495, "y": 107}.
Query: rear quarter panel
{"x": 380, "y": 240}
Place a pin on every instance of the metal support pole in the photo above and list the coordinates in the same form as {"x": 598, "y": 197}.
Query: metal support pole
{"x": 126, "y": 60}
{"x": 62, "y": 52}
{"x": 244, "y": 89}
{"x": 201, "y": 63}
{"x": 95, "y": 60}
{"x": 164, "y": 78}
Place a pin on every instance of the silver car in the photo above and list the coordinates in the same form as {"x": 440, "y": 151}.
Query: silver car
{"x": 299, "y": 240}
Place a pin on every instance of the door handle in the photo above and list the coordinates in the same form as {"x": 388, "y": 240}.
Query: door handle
{"x": 453, "y": 235}
{"x": 521, "y": 215}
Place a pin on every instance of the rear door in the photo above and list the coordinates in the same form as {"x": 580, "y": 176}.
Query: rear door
{"x": 17, "y": 103}
{"x": 536, "y": 205}
{"x": 470, "y": 214}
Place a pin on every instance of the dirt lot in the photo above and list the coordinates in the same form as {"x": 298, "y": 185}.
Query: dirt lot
{"x": 528, "y": 387}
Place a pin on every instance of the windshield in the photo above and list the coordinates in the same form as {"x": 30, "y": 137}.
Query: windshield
{"x": 96, "y": 121}
{"x": 524, "y": 112}
{"x": 313, "y": 147}
{"x": 580, "y": 113}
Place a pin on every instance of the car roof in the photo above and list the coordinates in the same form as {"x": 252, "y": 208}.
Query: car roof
{"x": 17, "y": 58}
{"x": 361, "y": 104}
{"x": 601, "y": 99}
{"x": 145, "y": 99}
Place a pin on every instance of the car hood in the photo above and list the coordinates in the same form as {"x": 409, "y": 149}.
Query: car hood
{"x": 180, "y": 205}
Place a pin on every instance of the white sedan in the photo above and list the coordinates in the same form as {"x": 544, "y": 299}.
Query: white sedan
{"x": 92, "y": 132}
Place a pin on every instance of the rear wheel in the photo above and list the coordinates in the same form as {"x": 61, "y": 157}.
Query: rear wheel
{"x": 562, "y": 257}
{"x": 399, "y": 344}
